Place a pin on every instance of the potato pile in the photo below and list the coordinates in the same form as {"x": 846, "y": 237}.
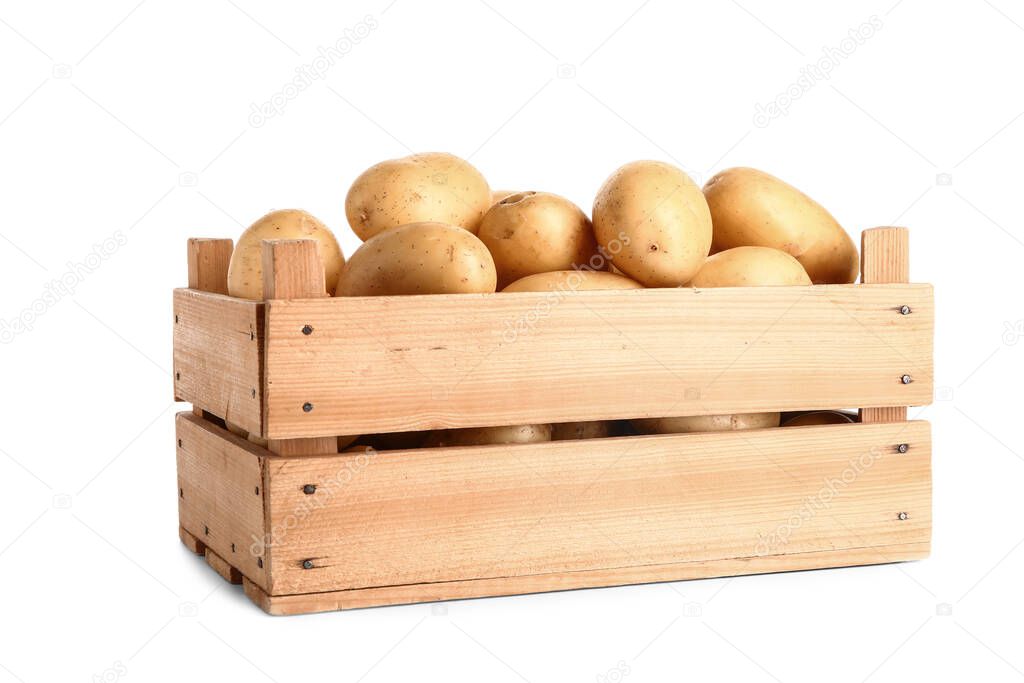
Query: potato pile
{"x": 430, "y": 224}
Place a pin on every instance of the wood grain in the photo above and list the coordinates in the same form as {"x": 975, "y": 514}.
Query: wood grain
{"x": 885, "y": 259}
{"x": 208, "y": 261}
{"x": 387, "y": 364}
{"x": 455, "y": 514}
{"x": 292, "y": 270}
{"x": 220, "y": 499}
{"x": 305, "y": 603}
{"x": 218, "y": 356}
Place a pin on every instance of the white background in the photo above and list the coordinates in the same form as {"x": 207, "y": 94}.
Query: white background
{"x": 134, "y": 120}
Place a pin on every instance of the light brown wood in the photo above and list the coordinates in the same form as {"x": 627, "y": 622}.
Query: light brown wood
{"x": 221, "y": 566}
{"x": 386, "y": 364}
{"x": 191, "y": 542}
{"x": 447, "y": 514}
{"x": 305, "y": 603}
{"x": 218, "y": 356}
{"x": 885, "y": 259}
{"x": 292, "y": 270}
{"x": 221, "y": 495}
{"x": 208, "y": 261}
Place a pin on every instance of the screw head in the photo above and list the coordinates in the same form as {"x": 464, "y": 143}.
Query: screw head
{"x": 307, "y": 330}
{"x": 905, "y": 309}
{"x": 177, "y": 375}
{"x": 206, "y": 531}
{"x": 259, "y": 562}
{"x": 309, "y": 489}
{"x": 308, "y": 407}
{"x": 307, "y": 564}
{"x": 902, "y": 516}
{"x": 906, "y": 379}
{"x": 902, "y": 448}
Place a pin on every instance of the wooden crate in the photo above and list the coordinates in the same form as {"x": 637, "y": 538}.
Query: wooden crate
{"x": 307, "y": 529}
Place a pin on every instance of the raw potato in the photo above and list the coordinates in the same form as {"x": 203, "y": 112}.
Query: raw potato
{"x": 819, "y": 417}
{"x": 706, "y": 423}
{"x": 498, "y": 195}
{"x": 245, "y": 272}
{"x": 597, "y": 429}
{"x": 482, "y": 436}
{"x": 537, "y": 232}
{"x": 753, "y": 208}
{"x": 430, "y": 187}
{"x": 750, "y": 266}
{"x": 421, "y": 258}
{"x": 652, "y": 221}
{"x": 572, "y": 281}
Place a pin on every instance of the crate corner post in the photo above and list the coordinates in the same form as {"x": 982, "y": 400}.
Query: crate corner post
{"x": 884, "y": 259}
{"x": 291, "y": 270}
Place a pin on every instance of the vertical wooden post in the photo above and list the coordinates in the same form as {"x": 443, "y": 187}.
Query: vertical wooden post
{"x": 292, "y": 269}
{"x": 884, "y": 259}
{"x": 208, "y": 261}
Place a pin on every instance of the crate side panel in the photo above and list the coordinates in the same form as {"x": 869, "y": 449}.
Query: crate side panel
{"x": 220, "y": 495}
{"x": 387, "y": 364}
{"x": 305, "y": 603}
{"x": 217, "y": 356}
{"x": 425, "y": 516}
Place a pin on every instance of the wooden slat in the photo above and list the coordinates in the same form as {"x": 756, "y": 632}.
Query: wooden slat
{"x": 292, "y": 269}
{"x": 220, "y": 499}
{"x": 218, "y": 356}
{"x": 305, "y": 603}
{"x": 885, "y": 259}
{"x": 221, "y": 566}
{"x": 208, "y": 261}
{"x": 458, "y": 514}
{"x": 388, "y": 364}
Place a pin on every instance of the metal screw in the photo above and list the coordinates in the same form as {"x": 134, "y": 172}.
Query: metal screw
{"x": 309, "y": 489}
{"x": 175, "y": 317}
{"x": 902, "y": 516}
{"x": 254, "y": 393}
{"x": 257, "y": 490}
{"x": 905, "y": 309}
{"x": 179, "y": 443}
{"x": 307, "y": 330}
{"x": 307, "y": 407}
{"x": 307, "y": 564}
{"x": 906, "y": 379}
{"x": 206, "y": 531}
{"x": 181, "y": 493}
{"x": 232, "y": 547}
{"x": 259, "y": 562}
{"x": 903, "y": 448}
{"x": 177, "y": 375}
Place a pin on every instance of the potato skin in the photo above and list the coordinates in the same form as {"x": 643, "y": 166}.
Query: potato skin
{"x": 429, "y": 187}
{"x": 420, "y": 258}
{"x": 498, "y": 195}
{"x": 245, "y": 271}
{"x": 595, "y": 429}
{"x": 537, "y": 232}
{"x": 753, "y": 208}
{"x": 750, "y": 266}
{"x": 572, "y": 281}
{"x": 484, "y": 436}
{"x": 706, "y": 423}
{"x": 819, "y": 417}
{"x": 653, "y": 222}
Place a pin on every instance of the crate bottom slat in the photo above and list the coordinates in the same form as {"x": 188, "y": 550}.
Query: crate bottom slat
{"x": 329, "y": 601}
